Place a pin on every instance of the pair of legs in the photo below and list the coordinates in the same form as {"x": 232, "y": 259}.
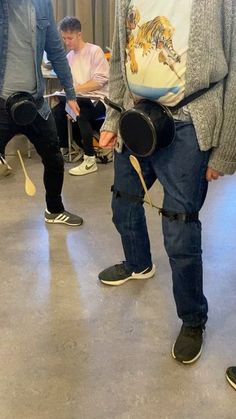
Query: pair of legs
{"x": 43, "y": 135}
{"x": 181, "y": 170}
{"x": 83, "y": 130}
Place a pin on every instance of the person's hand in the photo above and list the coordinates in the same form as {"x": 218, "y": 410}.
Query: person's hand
{"x": 74, "y": 106}
{"x": 107, "y": 139}
{"x": 77, "y": 88}
{"x": 212, "y": 174}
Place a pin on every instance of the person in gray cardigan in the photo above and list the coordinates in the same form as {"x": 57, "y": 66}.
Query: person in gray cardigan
{"x": 165, "y": 51}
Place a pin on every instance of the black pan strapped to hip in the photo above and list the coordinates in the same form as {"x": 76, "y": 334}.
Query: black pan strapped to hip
{"x": 149, "y": 125}
{"x": 22, "y": 107}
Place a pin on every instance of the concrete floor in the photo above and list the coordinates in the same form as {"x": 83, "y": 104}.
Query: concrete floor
{"x": 74, "y": 349}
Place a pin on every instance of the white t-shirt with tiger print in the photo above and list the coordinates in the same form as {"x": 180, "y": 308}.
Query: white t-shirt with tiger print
{"x": 157, "y": 45}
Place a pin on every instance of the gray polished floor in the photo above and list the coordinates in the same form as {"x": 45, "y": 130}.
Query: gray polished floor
{"x": 74, "y": 349}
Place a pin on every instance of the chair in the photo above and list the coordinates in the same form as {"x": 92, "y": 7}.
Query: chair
{"x": 75, "y": 152}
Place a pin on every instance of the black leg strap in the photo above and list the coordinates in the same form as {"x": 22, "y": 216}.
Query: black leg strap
{"x": 129, "y": 197}
{"x": 173, "y": 216}
{"x": 179, "y": 216}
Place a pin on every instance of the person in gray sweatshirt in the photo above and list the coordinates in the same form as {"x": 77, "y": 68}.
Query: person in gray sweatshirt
{"x": 162, "y": 53}
{"x": 27, "y": 30}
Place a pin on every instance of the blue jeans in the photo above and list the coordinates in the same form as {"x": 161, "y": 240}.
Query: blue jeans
{"x": 181, "y": 170}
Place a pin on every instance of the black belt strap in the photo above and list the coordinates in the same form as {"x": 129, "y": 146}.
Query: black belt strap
{"x": 173, "y": 216}
{"x": 186, "y": 100}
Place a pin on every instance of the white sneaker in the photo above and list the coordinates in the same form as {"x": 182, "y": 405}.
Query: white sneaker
{"x": 89, "y": 165}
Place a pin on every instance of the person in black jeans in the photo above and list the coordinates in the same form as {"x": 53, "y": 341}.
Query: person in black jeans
{"x": 43, "y": 135}
{"x": 83, "y": 129}
{"x": 25, "y": 53}
{"x": 90, "y": 71}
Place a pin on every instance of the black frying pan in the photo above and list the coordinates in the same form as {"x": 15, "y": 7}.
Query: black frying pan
{"x": 146, "y": 127}
{"x": 21, "y": 107}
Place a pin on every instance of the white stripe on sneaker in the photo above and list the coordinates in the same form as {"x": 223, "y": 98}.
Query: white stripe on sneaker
{"x": 62, "y": 217}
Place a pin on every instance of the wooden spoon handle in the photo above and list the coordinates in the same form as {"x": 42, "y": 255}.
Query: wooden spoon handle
{"x": 137, "y": 168}
{"x": 30, "y": 188}
{"x": 22, "y": 163}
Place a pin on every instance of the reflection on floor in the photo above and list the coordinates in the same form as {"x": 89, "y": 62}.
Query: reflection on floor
{"x": 73, "y": 349}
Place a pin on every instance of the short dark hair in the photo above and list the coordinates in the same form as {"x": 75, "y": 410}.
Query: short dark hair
{"x": 69, "y": 24}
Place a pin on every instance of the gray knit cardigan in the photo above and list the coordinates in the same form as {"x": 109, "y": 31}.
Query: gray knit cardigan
{"x": 211, "y": 57}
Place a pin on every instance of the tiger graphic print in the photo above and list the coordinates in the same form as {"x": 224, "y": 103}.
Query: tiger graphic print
{"x": 157, "y": 35}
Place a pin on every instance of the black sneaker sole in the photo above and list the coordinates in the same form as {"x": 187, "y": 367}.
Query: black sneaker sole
{"x": 148, "y": 275}
{"x": 191, "y": 361}
{"x": 232, "y": 383}
{"x": 61, "y": 222}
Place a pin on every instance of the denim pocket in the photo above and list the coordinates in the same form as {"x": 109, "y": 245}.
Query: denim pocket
{"x": 42, "y": 23}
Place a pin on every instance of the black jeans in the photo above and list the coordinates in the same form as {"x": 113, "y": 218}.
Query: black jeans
{"x": 43, "y": 135}
{"x": 83, "y": 129}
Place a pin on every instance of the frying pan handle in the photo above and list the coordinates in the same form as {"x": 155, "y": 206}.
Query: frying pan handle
{"x": 113, "y": 105}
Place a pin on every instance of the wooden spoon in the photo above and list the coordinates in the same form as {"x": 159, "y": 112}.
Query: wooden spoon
{"x": 30, "y": 188}
{"x": 137, "y": 168}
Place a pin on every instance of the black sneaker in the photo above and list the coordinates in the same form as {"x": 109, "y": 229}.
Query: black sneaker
{"x": 64, "y": 217}
{"x": 188, "y": 345}
{"x": 231, "y": 376}
{"x": 118, "y": 274}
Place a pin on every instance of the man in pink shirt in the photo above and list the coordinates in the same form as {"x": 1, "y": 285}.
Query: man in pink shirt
{"x": 90, "y": 71}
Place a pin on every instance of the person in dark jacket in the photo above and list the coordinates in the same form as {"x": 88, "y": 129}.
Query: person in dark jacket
{"x": 27, "y": 30}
